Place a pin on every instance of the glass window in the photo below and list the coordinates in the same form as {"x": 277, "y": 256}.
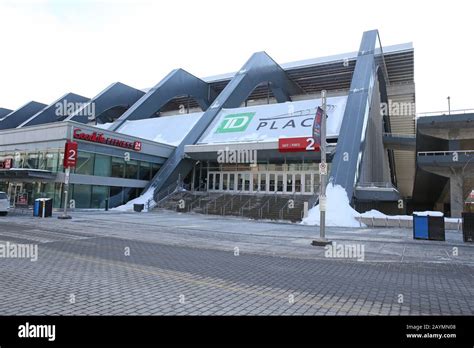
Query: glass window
{"x": 297, "y": 182}
{"x": 131, "y": 169}
{"x": 99, "y": 195}
{"x": 280, "y": 182}
{"x": 51, "y": 161}
{"x": 32, "y": 161}
{"x": 307, "y": 183}
{"x": 211, "y": 181}
{"x": 232, "y": 182}
{"x": 217, "y": 182}
{"x": 82, "y": 195}
{"x": 145, "y": 169}
{"x": 263, "y": 182}
{"x": 85, "y": 163}
{"x": 154, "y": 169}
{"x": 102, "y": 165}
{"x": 118, "y": 167}
{"x": 255, "y": 182}
{"x": 225, "y": 177}
{"x": 116, "y": 197}
{"x": 272, "y": 182}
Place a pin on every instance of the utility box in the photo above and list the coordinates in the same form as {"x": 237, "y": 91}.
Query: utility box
{"x": 43, "y": 207}
{"x": 468, "y": 227}
{"x": 428, "y": 227}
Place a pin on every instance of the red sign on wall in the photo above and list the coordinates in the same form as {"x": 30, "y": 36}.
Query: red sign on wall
{"x": 70, "y": 155}
{"x": 302, "y": 144}
{"x": 98, "y": 137}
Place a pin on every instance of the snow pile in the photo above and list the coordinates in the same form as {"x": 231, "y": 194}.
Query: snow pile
{"x": 338, "y": 210}
{"x": 166, "y": 129}
{"x": 428, "y": 213}
{"x": 143, "y": 199}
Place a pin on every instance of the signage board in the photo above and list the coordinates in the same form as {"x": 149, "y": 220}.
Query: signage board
{"x": 99, "y": 137}
{"x": 300, "y": 144}
{"x": 270, "y": 122}
{"x": 70, "y": 155}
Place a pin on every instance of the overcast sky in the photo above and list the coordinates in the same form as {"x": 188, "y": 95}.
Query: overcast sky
{"x": 49, "y": 48}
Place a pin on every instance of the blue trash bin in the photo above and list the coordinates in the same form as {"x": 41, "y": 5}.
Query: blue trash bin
{"x": 420, "y": 227}
{"x": 36, "y": 207}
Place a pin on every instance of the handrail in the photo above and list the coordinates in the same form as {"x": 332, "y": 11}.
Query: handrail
{"x": 445, "y": 112}
{"x": 160, "y": 197}
{"x": 263, "y": 206}
{"x": 280, "y": 213}
{"x": 241, "y": 210}
{"x": 375, "y": 184}
{"x": 399, "y": 135}
{"x": 212, "y": 201}
{"x": 444, "y": 153}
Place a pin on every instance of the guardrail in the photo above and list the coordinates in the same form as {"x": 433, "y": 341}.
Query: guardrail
{"x": 445, "y": 112}
{"x": 400, "y": 135}
{"x": 445, "y": 153}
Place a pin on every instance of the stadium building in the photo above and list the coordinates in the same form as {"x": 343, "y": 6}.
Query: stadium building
{"x": 240, "y": 143}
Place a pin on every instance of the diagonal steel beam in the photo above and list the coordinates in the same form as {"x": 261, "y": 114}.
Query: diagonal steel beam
{"x": 260, "y": 68}
{"x": 117, "y": 95}
{"x": 177, "y": 83}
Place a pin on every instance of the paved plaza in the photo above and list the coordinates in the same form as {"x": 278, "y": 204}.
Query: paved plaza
{"x": 166, "y": 263}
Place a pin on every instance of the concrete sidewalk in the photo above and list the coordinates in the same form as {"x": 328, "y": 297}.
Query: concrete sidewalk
{"x": 261, "y": 237}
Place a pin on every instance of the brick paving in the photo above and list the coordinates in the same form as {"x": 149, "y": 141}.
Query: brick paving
{"x": 84, "y": 270}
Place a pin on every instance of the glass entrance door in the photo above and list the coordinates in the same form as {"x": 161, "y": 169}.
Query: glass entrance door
{"x": 291, "y": 182}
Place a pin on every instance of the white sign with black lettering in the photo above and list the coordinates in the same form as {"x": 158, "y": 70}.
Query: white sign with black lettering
{"x": 264, "y": 123}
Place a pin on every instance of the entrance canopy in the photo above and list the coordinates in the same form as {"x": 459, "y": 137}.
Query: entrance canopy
{"x": 26, "y": 175}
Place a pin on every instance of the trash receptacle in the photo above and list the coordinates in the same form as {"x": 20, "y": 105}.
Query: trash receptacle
{"x": 428, "y": 226}
{"x": 43, "y": 207}
{"x": 138, "y": 207}
{"x": 36, "y": 207}
{"x": 468, "y": 227}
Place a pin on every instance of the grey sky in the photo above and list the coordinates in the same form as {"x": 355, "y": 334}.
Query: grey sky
{"x": 50, "y": 48}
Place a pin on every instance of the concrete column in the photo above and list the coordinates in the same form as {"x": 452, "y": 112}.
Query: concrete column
{"x": 456, "y": 195}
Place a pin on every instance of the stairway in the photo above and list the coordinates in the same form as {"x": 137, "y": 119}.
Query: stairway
{"x": 254, "y": 206}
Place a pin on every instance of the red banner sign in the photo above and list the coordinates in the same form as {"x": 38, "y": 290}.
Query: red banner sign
{"x": 70, "y": 155}
{"x": 100, "y": 138}
{"x": 302, "y": 144}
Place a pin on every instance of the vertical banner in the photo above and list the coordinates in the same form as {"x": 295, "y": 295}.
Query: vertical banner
{"x": 70, "y": 155}
{"x": 317, "y": 127}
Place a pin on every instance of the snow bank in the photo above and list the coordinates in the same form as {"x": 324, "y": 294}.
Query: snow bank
{"x": 143, "y": 199}
{"x": 428, "y": 213}
{"x": 167, "y": 129}
{"x": 338, "y": 210}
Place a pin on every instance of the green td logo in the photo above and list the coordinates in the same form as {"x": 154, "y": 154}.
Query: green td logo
{"x": 235, "y": 122}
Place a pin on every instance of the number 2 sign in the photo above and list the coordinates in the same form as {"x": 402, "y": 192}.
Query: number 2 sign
{"x": 70, "y": 154}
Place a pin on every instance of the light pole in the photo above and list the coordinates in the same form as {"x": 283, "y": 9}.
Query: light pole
{"x": 449, "y": 105}
{"x": 322, "y": 241}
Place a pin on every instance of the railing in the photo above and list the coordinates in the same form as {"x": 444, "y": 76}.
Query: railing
{"x": 445, "y": 112}
{"x": 280, "y": 213}
{"x": 212, "y": 201}
{"x": 267, "y": 203}
{"x": 241, "y": 210}
{"x": 162, "y": 195}
{"x": 445, "y": 153}
{"x": 231, "y": 202}
{"x": 375, "y": 185}
{"x": 400, "y": 135}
